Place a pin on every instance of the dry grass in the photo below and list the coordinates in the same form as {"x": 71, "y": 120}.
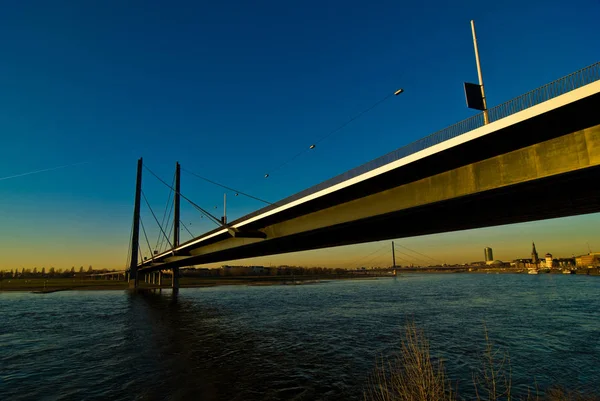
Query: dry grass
{"x": 493, "y": 381}
{"x": 413, "y": 375}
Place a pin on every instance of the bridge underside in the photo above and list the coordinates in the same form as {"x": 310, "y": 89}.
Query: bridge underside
{"x": 555, "y": 178}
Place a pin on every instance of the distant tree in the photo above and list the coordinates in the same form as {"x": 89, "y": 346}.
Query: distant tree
{"x": 51, "y": 272}
{"x": 90, "y": 270}
{"x": 80, "y": 269}
{"x": 73, "y": 270}
{"x": 43, "y": 271}
{"x": 35, "y": 270}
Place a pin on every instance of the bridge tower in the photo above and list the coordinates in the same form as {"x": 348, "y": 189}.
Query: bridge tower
{"x": 176, "y": 219}
{"x": 394, "y": 260}
{"x": 135, "y": 237}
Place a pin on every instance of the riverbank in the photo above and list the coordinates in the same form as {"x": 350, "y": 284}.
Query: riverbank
{"x": 43, "y": 286}
{"x": 495, "y": 270}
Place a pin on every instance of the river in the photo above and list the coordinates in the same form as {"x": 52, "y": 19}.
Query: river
{"x": 302, "y": 342}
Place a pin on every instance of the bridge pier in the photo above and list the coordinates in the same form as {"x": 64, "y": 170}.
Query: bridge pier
{"x": 175, "y": 280}
{"x": 160, "y": 278}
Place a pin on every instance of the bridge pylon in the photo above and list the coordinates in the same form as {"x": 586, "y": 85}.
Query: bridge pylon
{"x": 176, "y": 219}
{"x": 135, "y": 237}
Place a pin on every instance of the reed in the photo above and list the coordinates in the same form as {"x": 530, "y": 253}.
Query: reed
{"x": 412, "y": 374}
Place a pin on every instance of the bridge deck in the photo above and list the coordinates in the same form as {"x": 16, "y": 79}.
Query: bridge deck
{"x": 550, "y": 97}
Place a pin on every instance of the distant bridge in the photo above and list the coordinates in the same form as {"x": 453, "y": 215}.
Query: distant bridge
{"x": 538, "y": 158}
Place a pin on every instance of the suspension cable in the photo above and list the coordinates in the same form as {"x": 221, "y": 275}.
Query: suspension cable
{"x": 226, "y": 187}
{"x": 372, "y": 253}
{"x": 141, "y": 254}
{"x": 207, "y": 214}
{"x": 366, "y": 262}
{"x": 312, "y": 146}
{"x": 165, "y": 212}
{"x": 419, "y": 253}
{"x": 155, "y": 219}
{"x": 417, "y": 259}
{"x": 147, "y": 242}
{"x": 169, "y": 230}
{"x": 183, "y": 225}
{"x": 162, "y": 239}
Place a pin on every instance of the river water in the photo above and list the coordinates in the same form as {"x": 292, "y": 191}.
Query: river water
{"x": 300, "y": 342}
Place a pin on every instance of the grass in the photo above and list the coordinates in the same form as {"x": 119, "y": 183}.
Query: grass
{"x": 411, "y": 375}
{"x": 414, "y": 375}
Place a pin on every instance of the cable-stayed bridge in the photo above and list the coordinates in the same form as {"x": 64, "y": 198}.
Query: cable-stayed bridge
{"x": 534, "y": 157}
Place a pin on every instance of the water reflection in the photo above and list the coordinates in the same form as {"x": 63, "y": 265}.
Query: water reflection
{"x": 193, "y": 355}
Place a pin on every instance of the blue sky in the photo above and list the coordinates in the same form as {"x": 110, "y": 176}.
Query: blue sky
{"x": 232, "y": 89}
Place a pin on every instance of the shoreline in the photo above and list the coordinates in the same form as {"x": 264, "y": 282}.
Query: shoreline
{"x": 61, "y": 284}
{"x": 42, "y": 286}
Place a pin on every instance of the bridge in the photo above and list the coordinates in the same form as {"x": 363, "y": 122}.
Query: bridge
{"x": 534, "y": 157}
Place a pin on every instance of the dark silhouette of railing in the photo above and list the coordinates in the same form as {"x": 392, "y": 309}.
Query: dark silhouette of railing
{"x": 554, "y": 89}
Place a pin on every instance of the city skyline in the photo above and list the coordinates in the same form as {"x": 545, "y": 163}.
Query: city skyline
{"x": 232, "y": 103}
{"x": 451, "y": 248}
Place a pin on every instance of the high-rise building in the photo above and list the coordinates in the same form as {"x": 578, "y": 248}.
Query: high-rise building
{"x": 489, "y": 255}
{"x": 534, "y": 256}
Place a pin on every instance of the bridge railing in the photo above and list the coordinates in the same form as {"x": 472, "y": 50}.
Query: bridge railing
{"x": 551, "y": 90}
{"x": 554, "y": 89}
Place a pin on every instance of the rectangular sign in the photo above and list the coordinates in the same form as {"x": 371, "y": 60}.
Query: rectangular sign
{"x": 474, "y": 96}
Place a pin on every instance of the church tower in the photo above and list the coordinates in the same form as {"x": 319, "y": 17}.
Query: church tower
{"x": 534, "y": 254}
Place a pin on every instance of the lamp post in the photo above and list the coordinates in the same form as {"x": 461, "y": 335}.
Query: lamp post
{"x": 486, "y": 119}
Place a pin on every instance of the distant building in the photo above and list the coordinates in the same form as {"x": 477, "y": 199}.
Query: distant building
{"x": 534, "y": 255}
{"x": 489, "y": 255}
{"x": 227, "y": 270}
{"x": 549, "y": 262}
{"x": 565, "y": 262}
{"x": 589, "y": 260}
{"x": 521, "y": 263}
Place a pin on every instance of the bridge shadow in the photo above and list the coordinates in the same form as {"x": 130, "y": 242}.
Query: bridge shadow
{"x": 188, "y": 351}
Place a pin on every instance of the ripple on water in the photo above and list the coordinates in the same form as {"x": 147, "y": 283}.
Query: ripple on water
{"x": 291, "y": 342}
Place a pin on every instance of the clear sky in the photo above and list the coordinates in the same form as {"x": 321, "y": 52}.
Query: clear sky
{"x": 232, "y": 89}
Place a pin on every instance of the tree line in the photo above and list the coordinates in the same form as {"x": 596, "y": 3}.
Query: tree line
{"x": 50, "y": 272}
